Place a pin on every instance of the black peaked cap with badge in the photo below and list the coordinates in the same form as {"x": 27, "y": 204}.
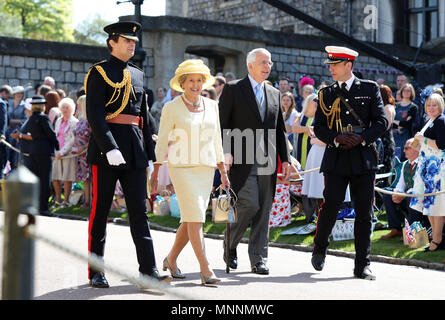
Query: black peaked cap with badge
{"x": 126, "y": 29}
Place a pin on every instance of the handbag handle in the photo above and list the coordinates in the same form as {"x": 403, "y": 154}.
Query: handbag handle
{"x": 231, "y": 197}
{"x": 230, "y": 193}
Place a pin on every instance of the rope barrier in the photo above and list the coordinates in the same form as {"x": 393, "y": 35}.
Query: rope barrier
{"x": 2, "y": 140}
{"x": 6, "y": 143}
{"x": 143, "y": 282}
{"x": 408, "y": 194}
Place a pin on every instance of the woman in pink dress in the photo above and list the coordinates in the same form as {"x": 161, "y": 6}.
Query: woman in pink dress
{"x": 64, "y": 166}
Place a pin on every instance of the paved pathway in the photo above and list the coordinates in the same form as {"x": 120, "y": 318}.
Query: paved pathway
{"x": 60, "y": 276}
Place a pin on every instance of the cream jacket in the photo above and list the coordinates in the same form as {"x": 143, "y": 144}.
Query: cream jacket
{"x": 189, "y": 139}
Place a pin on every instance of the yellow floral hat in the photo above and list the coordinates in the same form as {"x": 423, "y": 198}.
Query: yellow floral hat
{"x": 192, "y": 66}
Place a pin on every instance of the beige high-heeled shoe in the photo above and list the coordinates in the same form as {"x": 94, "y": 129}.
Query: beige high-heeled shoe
{"x": 209, "y": 280}
{"x": 175, "y": 273}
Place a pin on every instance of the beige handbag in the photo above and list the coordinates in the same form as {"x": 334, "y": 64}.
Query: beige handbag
{"x": 223, "y": 208}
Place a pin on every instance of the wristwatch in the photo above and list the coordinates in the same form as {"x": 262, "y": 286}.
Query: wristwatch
{"x": 20, "y": 135}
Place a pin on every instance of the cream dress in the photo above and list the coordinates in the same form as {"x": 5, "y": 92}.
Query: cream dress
{"x": 192, "y": 144}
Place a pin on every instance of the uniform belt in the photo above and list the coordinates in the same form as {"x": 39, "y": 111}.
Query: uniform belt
{"x": 352, "y": 129}
{"x": 126, "y": 119}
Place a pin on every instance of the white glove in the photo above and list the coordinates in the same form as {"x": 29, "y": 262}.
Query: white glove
{"x": 115, "y": 157}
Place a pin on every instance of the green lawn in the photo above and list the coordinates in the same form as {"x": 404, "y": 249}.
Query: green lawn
{"x": 390, "y": 248}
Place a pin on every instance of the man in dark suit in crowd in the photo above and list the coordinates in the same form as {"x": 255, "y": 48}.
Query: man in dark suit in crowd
{"x": 5, "y": 94}
{"x": 350, "y": 156}
{"x": 120, "y": 147}
{"x": 249, "y": 107}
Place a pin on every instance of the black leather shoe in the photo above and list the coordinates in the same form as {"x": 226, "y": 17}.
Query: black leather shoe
{"x": 318, "y": 261}
{"x": 260, "y": 268}
{"x": 366, "y": 274}
{"x": 99, "y": 281}
{"x": 233, "y": 262}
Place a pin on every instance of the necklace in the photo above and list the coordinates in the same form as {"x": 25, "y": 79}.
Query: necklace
{"x": 193, "y": 104}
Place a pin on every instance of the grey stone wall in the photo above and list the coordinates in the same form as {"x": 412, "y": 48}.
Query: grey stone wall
{"x": 294, "y": 63}
{"x": 260, "y": 14}
{"x": 27, "y": 62}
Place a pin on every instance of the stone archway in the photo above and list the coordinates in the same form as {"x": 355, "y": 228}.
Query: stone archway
{"x": 167, "y": 39}
{"x": 221, "y": 59}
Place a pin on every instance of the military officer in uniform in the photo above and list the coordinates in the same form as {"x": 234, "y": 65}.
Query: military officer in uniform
{"x": 120, "y": 147}
{"x": 350, "y": 117}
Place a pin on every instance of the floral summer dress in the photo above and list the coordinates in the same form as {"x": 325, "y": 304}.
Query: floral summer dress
{"x": 430, "y": 174}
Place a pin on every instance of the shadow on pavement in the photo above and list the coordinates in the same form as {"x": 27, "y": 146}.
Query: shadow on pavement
{"x": 85, "y": 292}
{"x": 242, "y": 278}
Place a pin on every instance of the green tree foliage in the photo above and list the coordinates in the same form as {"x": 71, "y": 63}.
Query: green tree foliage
{"x": 9, "y": 26}
{"x": 42, "y": 19}
{"x": 90, "y": 31}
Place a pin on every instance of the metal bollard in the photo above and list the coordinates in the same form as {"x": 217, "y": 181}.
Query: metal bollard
{"x": 21, "y": 196}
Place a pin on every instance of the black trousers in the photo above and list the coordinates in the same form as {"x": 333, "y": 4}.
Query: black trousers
{"x": 134, "y": 186}
{"x": 41, "y": 165}
{"x": 362, "y": 196}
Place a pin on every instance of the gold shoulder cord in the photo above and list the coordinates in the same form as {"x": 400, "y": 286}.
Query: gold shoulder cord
{"x": 331, "y": 114}
{"x": 125, "y": 83}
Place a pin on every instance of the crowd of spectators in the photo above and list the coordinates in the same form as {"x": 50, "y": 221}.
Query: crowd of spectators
{"x": 66, "y": 116}
{"x": 404, "y": 107}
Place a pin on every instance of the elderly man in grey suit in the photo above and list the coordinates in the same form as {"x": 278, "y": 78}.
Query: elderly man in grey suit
{"x": 254, "y": 139}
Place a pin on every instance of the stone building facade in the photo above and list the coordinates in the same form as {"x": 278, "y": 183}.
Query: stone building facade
{"x": 347, "y": 16}
{"x": 168, "y": 40}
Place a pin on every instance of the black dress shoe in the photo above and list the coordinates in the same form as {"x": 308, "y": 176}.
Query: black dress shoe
{"x": 233, "y": 262}
{"x": 260, "y": 268}
{"x": 366, "y": 274}
{"x": 99, "y": 281}
{"x": 318, "y": 261}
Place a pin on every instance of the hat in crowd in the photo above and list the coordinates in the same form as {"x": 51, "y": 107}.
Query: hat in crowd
{"x": 126, "y": 29}
{"x": 192, "y": 66}
{"x": 18, "y": 89}
{"x": 339, "y": 54}
{"x": 28, "y": 104}
{"x": 306, "y": 80}
{"x": 37, "y": 99}
{"x": 7, "y": 88}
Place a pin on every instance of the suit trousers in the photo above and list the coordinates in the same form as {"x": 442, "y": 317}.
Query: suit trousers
{"x": 362, "y": 196}
{"x": 134, "y": 186}
{"x": 253, "y": 208}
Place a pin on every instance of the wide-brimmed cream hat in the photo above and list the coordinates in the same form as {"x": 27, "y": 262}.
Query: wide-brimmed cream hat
{"x": 192, "y": 66}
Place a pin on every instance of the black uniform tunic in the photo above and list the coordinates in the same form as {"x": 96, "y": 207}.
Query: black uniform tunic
{"x": 137, "y": 148}
{"x": 356, "y": 166}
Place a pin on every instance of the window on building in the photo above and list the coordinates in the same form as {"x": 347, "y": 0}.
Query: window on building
{"x": 423, "y": 21}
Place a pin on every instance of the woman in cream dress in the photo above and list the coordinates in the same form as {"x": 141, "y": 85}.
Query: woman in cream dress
{"x": 190, "y": 137}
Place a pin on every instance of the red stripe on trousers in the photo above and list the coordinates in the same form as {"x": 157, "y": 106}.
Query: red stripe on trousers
{"x": 93, "y": 208}
{"x": 319, "y": 211}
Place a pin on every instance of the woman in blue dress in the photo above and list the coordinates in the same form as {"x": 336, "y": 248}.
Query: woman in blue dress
{"x": 430, "y": 175}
